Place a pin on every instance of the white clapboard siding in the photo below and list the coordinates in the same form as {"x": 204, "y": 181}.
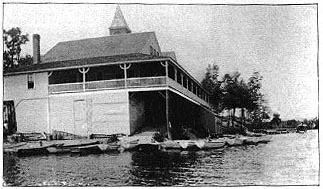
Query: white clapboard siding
{"x": 30, "y": 104}
{"x": 31, "y": 116}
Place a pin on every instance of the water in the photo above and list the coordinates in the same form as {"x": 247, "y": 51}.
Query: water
{"x": 290, "y": 159}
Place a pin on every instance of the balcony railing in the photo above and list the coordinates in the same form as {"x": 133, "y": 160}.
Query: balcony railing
{"x": 172, "y": 83}
{"x": 107, "y": 84}
{"x": 120, "y": 84}
{"x": 65, "y": 88}
{"x": 147, "y": 82}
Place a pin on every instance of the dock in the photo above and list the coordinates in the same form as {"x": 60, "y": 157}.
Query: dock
{"x": 143, "y": 144}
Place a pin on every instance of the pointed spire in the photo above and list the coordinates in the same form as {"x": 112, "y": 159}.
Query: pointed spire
{"x": 119, "y": 24}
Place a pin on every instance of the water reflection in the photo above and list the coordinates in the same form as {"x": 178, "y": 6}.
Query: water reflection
{"x": 290, "y": 159}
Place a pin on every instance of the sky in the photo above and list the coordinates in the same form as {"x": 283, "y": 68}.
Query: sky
{"x": 280, "y": 42}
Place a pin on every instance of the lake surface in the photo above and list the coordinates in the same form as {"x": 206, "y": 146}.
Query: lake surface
{"x": 290, "y": 159}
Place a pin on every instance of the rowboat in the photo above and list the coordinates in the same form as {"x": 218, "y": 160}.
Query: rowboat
{"x": 148, "y": 147}
{"x": 235, "y": 142}
{"x": 170, "y": 145}
{"x": 108, "y": 147}
{"x": 212, "y": 145}
{"x": 188, "y": 145}
{"x": 91, "y": 149}
{"x": 58, "y": 150}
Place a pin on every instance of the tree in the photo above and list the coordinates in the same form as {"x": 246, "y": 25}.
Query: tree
{"x": 276, "y": 120}
{"x": 212, "y": 84}
{"x": 13, "y": 39}
{"x": 231, "y": 93}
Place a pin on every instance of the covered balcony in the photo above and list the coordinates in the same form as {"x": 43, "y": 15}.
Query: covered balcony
{"x": 122, "y": 76}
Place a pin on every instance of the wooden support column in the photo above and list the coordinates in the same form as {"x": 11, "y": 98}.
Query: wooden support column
{"x": 125, "y": 68}
{"x": 175, "y": 73}
{"x": 83, "y": 71}
{"x": 168, "y": 124}
{"x": 186, "y": 83}
{"x": 182, "y": 79}
{"x": 48, "y": 107}
{"x": 192, "y": 86}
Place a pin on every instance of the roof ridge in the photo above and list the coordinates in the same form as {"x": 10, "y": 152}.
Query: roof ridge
{"x": 105, "y": 37}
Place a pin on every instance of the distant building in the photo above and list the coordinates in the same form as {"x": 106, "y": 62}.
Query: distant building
{"x": 120, "y": 83}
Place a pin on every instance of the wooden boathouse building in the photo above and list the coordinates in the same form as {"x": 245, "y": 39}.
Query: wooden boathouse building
{"x": 120, "y": 83}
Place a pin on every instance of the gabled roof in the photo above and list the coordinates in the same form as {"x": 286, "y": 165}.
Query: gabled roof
{"x": 88, "y": 62}
{"x": 99, "y": 47}
{"x": 119, "y": 21}
{"x": 170, "y": 54}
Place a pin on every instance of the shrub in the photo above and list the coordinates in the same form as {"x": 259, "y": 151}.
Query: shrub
{"x": 159, "y": 137}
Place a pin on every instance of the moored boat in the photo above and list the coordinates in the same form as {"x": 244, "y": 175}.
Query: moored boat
{"x": 148, "y": 147}
{"x": 90, "y": 149}
{"x": 235, "y": 142}
{"x": 251, "y": 141}
{"x": 170, "y": 145}
{"x": 109, "y": 147}
{"x": 58, "y": 150}
{"x": 301, "y": 128}
{"x": 212, "y": 145}
{"x": 188, "y": 145}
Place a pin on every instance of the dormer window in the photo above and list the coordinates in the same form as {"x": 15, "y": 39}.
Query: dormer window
{"x": 31, "y": 81}
{"x": 153, "y": 51}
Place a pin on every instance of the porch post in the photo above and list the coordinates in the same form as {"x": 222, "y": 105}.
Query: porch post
{"x": 125, "y": 67}
{"x": 167, "y": 106}
{"x": 175, "y": 73}
{"x": 192, "y": 86}
{"x": 182, "y": 79}
{"x": 83, "y": 72}
{"x": 167, "y": 101}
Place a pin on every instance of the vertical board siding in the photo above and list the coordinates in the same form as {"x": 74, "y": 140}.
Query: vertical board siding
{"x": 104, "y": 112}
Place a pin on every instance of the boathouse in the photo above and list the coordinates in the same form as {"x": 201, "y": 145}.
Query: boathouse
{"x": 120, "y": 83}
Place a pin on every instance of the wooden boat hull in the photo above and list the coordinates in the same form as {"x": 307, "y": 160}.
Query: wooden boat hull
{"x": 129, "y": 147}
{"x": 148, "y": 147}
{"x": 32, "y": 151}
{"x": 188, "y": 145}
{"x": 91, "y": 149}
{"x": 213, "y": 145}
{"x": 108, "y": 148}
{"x": 235, "y": 142}
{"x": 58, "y": 150}
{"x": 251, "y": 141}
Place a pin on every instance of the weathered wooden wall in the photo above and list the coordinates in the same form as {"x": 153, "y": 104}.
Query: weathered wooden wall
{"x": 137, "y": 114}
{"x": 100, "y": 112}
{"x": 210, "y": 121}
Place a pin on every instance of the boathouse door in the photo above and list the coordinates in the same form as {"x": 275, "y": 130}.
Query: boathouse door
{"x": 9, "y": 118}
{"x": 80, "y": 120}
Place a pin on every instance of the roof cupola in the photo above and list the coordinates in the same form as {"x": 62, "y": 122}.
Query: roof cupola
{"x": 119, "y": 24}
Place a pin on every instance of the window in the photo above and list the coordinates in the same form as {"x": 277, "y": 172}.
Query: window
{"x": 31, "y": 81}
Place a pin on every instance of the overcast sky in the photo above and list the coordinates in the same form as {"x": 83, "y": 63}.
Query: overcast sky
{"x": 278, "y": 41}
